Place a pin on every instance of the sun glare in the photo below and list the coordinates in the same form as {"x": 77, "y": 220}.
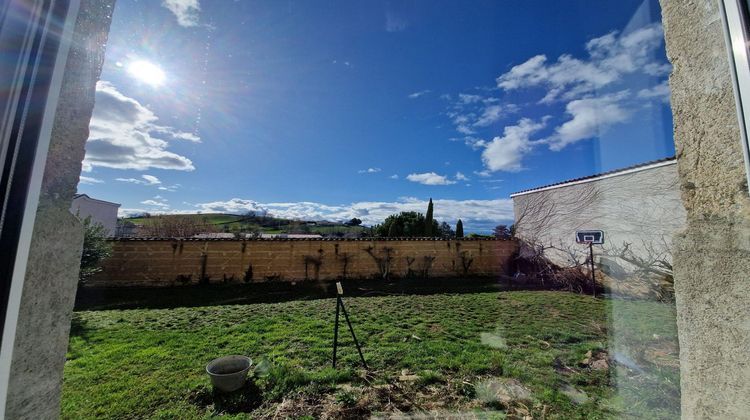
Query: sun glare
{"x": 146, "y": 72}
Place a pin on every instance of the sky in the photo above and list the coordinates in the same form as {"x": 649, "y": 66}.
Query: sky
{"x": 340, "y": 109}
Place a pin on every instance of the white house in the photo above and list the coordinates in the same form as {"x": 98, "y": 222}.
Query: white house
{"x": 289, "y": 236}
{"x": 214, "y": 235}
{"x": 638, "y": 209}
{"x": 100, "y": 211}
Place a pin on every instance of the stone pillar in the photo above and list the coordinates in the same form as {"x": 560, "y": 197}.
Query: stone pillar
{"x": 712, "y": 253}
{"x": 51, "y": 278}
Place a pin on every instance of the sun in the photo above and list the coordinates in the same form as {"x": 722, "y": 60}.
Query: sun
{"x": 146, "y": 72}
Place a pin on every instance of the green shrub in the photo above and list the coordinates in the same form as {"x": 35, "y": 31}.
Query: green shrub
{"x": 346, "y": 398}
{"x": 96, "y": 248}
{"x": 429, "y": 377}
{"x": 405, "y": 224}
{"x": 283, "y": 379}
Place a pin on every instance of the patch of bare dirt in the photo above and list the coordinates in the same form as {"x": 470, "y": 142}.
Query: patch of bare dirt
{"x": 596, "y": 360}
{"x": 663, "y": 353}
{"x": 453, "y": 398}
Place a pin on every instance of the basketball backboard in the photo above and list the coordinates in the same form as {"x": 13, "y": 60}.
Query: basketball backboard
{"x": 590, "y": 236}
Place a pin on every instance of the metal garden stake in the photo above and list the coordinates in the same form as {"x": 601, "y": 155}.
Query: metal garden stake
{"x": 340, "y": 308}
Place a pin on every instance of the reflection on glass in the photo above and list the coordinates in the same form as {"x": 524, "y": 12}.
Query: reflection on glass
{"x": 268, "y": 149}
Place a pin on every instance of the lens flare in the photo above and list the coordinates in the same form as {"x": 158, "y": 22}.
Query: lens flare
{"x": 146, "y": 72}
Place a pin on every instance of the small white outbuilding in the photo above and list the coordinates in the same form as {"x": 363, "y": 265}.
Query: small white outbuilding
{"x": 100, "y": 211}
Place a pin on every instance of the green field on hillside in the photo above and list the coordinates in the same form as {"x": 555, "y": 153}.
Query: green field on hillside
{"x": 232, "y": 222}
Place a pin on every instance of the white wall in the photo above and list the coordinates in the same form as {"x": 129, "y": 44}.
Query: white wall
{"x": 102, "y": 212}
{"x": 641, "y": 208}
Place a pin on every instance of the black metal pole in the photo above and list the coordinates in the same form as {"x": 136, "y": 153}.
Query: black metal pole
{"x": 336, "y": 329}
{"x": 593, "y": 274}
{"x": 359, "y": 349}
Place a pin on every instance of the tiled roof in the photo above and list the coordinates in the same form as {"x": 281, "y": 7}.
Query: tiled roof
{"x": 95, "y": 199}
{"x": 613, "y": 172}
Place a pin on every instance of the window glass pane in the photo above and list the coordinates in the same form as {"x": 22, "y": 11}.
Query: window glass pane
{"x": 351, "y": 209}
{"x": 247, "y": 156}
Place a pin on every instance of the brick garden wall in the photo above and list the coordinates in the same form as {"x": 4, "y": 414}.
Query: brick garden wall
{"x": 165, "y": 262}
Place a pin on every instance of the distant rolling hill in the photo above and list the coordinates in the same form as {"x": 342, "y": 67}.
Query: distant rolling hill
{"x": 253, "y": 223}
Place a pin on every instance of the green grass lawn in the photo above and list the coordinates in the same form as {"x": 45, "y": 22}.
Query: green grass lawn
{"x": 506, "y": 354}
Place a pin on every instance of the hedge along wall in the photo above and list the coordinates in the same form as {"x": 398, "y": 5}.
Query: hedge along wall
{"x": 168, "y": 262}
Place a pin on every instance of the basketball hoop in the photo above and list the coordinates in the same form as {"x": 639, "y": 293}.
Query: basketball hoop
{"x": 591, "y": 238}
{"x": 595, "y": 237}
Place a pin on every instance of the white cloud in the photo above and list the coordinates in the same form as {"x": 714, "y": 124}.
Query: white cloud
{"x": 590, "y": 87}
{"x": 660, "y": 92}
{"x": 394, "y": 176}
{"x": 461, "y": 177}
{"x": 123, "y": 135}
{"x": 657, "y": 69}
{"x": 590, "y": 117}
{"x": 146, "y": 180}
{"x": 416, "y": 95}
{"x": 186, "y": 11}
{"x": 529, "y": 73}
{"x": 344, "y": 63}
{"x": 476, "y": 214}
{"x": 466, "y": 98}
{"x": 130, "y": 180}
{"x": 464, "y": 129}
{"x": 152, "y": 180}
{"x": 430, "y": 178}
{"x": 395, "y": 22}
{"x": 178, "y": 135}
{"x": 170, "y": 188}
{"x": 506, "y": 153}
{"x": 89, "y": 180}
{"x": 490, "y": 115}
{"x": 368, "y": 171}
{"x": 462, "y": 120}
{"x": 473, "y": 142}
{"x": 610, "y": 57}
{"x": 470, "y": 112}
{"x": 155, "y": 203}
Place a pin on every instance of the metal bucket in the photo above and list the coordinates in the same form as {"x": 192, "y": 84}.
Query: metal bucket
{"x": 228, "y": 373}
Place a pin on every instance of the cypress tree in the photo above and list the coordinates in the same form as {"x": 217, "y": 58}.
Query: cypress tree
{"x": 428, "y": 221}
{"x": 459, "y": 229}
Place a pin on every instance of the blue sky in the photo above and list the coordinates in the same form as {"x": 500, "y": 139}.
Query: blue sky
{"x": 331, "y": 110}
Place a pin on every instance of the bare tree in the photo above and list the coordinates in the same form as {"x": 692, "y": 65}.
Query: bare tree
{"x": 653, "y": 273}
{"x": 175, "y": 226}
{"x": 534, "y": 265}
{"x": 537, "y": 212}
{"x": 654, "y": 256}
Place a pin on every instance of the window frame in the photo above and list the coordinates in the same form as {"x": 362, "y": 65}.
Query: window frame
{"x": 736, "y": 18}
{"x": 28, "y": 112}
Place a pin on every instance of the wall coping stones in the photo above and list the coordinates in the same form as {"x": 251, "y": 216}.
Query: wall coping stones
{"x": 305, "y": 239}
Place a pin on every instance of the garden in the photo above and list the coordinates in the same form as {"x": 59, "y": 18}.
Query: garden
{"x": 471, "y": 354}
